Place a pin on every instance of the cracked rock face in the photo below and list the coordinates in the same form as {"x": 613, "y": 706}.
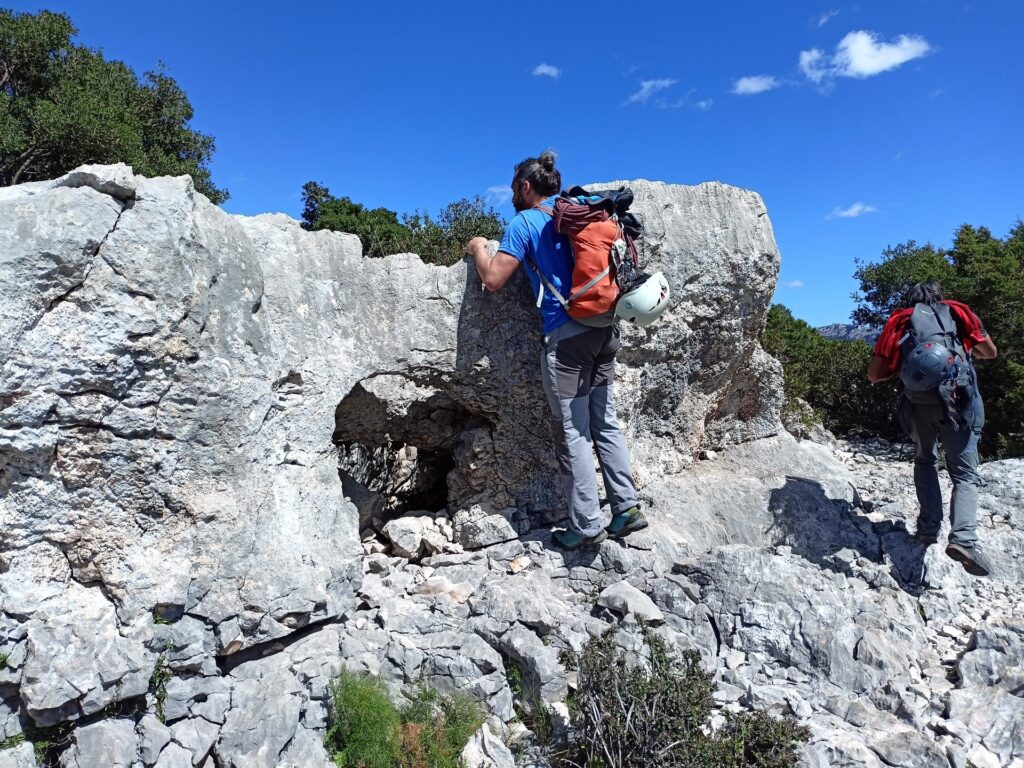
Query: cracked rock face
{"x": 237, "y": 457}
{"x": 201, "y": 413}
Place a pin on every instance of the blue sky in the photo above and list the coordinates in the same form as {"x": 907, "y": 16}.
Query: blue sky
{"x": 862, "y": 125}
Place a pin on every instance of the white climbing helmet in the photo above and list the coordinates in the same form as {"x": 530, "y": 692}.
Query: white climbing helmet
{"x": 646, "y": 302}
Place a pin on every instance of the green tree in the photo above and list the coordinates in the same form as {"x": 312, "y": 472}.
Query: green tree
{"x": 378, "y": 229}
{"x": 63, "y": 105}
{"x": 986, "y": 273}
{"x": 831, "y": 375}
{"x": 436, "y": 241}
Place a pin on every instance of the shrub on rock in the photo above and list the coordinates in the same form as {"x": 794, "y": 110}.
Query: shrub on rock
{"x": 632, "y": 713}
{"x": 368, "y": 731}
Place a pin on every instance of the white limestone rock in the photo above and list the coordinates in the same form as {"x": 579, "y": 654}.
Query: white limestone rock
{"x": 108, "y": 743}
{"x": 21, "y": 756}
{"x": 625, "y": 599}
{"x": 485, "y": 750}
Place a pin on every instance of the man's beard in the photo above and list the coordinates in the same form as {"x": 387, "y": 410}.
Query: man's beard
{"x": 517, "y": 201}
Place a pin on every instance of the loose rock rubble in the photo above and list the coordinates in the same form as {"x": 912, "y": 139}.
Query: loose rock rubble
{"x": 237, "y": 458}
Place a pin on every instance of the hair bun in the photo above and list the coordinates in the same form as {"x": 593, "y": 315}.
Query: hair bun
{"x": 547, "y": 161}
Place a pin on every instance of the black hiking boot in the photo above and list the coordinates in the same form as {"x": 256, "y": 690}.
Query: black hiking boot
{"x": 971, "y": 558}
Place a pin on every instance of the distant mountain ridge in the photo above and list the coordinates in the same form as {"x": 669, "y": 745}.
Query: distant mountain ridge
{"x": 849, "y": 332}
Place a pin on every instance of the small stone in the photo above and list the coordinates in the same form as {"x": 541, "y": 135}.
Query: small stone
{"x": 625, "y": 599}
{"x": 487, "y": 531}
{"x": 440, "y": 585}
{"x": 951, "y": 632}
{"x": 406, "y": 535}
{"x": 982, "y": 758}
{"x": 485, "y": 750}
{"x": 724, "y": 692}
{"x": 734, "y": 658}
{"x": 154, "y": 737}
{"x": 519, "y": 563}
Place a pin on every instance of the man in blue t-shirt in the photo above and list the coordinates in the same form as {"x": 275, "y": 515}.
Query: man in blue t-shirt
{"x": 578, "y": 367}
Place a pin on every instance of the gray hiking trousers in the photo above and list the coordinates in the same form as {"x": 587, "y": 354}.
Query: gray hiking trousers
{"x": 578, "y": 369}
{"x": 930, "y": 427}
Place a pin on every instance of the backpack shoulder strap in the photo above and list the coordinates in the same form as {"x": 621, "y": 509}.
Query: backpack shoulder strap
{"x": 544, "y": 282}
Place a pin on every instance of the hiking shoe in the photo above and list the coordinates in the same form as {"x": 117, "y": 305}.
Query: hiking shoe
{"x": 971, "y": 558}
{"x": 926, "y": 539}
{"x": 626, "y": 523}
{"x": 569, "y": 539}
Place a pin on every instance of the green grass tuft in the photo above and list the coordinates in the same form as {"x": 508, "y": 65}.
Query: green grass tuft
{"x": 368, "y": 731}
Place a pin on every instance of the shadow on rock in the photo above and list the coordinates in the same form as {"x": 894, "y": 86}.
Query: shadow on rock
{"x": 836, "y": 534}
{"x": 583, "y": 557}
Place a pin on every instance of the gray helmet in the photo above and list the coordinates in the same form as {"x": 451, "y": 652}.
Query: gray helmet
{"x": 926, "y": 366}
{"x": 644, "y": 303}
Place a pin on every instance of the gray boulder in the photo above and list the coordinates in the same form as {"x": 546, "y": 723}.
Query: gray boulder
{"x": 21, "y": 756}
{"x": 485, "y": 750}
{"x": 625, "y": 599}
{"x": 108, "y": 743}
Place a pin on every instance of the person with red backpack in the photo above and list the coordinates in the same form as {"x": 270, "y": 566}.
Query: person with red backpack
{"x": 930, "y": 343}
{"x": 578, "y": 363}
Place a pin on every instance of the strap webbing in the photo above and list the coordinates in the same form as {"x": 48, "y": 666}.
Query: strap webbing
{"x": 591, "y": 283}
{"x": 545, "y": 283}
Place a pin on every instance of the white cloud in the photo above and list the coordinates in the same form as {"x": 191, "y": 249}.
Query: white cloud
{"x": 813, "y": 65}
{"x": 547, "y": 70}
{"x": 704, "y": 104}
{"x": 793, "y": 284}
{"x": 852, "y": 212}
{"x": 861, "y": 54}
{"x": 826, "y": 17}
{"x": 500, "y": 194}
{"x": 648, "y": 88}
{"x": 752, "y": 84}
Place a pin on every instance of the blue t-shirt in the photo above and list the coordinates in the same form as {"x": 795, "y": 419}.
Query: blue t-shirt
{"x": 532, "y": 234}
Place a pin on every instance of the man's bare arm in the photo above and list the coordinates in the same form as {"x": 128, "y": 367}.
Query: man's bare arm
{"x": 495, "y": 270}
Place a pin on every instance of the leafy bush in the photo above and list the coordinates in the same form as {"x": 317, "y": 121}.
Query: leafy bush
{"x": 627, "y": 714}
{"x": 365, "y": 728}
{"x": 831, "y": 375}
{"x": 368, "y": 731}
{"x": 436, "y": 728}
{"x": 64, "y": 105}
{"x": 381, "y": 233}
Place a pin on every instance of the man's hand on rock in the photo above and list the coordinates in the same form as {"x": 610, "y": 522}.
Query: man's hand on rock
{"x": 475, "y": 245}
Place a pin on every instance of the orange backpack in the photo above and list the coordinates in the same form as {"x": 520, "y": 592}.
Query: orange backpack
{"x": 604, "y": 255}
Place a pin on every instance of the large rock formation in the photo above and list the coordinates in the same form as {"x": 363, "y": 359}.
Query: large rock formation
{"x": 236, "y": 457}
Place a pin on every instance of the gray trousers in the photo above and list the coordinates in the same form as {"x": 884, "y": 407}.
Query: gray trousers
{"x": 578, "y": 370}
{"x": 930, "y": 427}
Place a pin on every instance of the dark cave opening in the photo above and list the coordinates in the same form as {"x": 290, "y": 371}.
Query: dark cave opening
{"x": 396, "y": 441}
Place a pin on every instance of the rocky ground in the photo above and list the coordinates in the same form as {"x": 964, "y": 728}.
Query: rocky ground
{"x": 889, "y": 652}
